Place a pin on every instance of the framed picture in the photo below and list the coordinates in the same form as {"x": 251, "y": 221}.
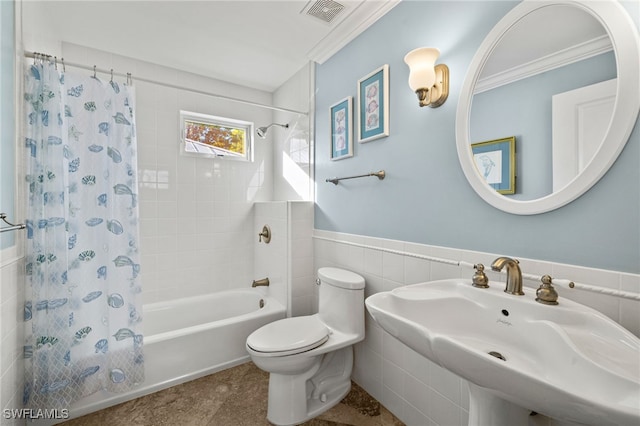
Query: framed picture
{"x": 496, "y": 162}
{"x": 341, "y": 127}
{"x": 373, "y": 105}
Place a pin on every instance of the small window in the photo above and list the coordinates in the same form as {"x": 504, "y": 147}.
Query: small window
{"x": 213, "y": 136}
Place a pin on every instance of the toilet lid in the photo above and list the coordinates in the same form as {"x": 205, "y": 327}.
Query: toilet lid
{"x": 289, "y": 335}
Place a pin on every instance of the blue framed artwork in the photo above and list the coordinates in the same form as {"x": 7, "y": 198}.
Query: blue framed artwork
{"x": 341, "y": 128}
{"x": 373, "y": 105}
{"x": 496, "y": 162}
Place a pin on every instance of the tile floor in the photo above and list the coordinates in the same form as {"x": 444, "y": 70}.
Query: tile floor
{"x": 233, "y": 397}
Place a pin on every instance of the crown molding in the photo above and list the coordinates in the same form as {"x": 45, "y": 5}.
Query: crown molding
{"x": 361, "y": 18}
{"x": 555, "y": 60}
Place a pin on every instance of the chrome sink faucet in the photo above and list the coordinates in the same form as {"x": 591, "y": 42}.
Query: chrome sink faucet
{"x": 514, "y": 275}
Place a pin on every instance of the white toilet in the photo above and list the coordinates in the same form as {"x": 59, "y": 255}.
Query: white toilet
{"x": 310, "y": 358}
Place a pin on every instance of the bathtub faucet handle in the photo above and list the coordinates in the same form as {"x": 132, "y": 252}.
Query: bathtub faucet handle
{"x": 262, "y": 282}
{"x": 265, "y": 235}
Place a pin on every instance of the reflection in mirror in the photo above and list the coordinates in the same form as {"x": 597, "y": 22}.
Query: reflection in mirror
{"x": 622, "y": 33}
{"x": 527, "y": 89}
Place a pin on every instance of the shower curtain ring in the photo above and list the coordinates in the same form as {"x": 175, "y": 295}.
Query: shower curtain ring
{"x": 94, "y": 72}
{"x": 55, "y": 62}
{"x": 111, "y": 75}
{"x": 64, "y": 68}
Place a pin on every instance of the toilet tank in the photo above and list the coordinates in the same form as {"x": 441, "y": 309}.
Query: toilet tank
{"x": 341, "y": 300}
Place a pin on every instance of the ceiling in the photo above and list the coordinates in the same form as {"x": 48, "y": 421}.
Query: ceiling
{"x": 254, "y": 43}
{"x": 262, "y": 43}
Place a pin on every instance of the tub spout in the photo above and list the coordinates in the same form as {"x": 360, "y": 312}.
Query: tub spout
{"x": 264, "y": 282}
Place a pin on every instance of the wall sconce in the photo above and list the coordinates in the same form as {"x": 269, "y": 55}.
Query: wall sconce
{"x": 428, "y": 80}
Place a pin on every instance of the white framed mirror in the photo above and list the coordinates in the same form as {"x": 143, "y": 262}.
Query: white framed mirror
{"x": 527, "y": 28}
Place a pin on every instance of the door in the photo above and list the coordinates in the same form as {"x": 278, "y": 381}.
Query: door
{"x": 580, "y": 121}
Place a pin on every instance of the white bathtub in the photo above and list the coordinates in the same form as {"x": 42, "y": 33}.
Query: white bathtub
{"x": 190, "y": 338}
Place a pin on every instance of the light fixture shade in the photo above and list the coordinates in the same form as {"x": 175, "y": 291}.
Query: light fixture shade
{"x": 421, "y": 62}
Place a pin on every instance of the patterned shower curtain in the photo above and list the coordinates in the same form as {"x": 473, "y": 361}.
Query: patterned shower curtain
{"x": 82, "y": 302}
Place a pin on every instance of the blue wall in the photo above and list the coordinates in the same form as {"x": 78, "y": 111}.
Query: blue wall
{"x": 7, "y": 126}
{"x": 425, "y": 197}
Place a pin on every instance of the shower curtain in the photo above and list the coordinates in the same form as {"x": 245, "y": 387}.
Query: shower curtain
{"x": 82, "y": 306}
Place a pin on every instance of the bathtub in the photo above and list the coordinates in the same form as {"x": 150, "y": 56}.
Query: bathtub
{"x": 190, "y": 338}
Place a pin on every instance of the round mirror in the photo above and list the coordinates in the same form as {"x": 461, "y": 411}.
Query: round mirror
{"x": 548, "y": 106}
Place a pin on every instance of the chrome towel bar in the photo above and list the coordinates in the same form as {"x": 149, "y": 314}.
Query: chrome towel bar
{"x": 380, "y": 175}
{"x": 11, "y": 227}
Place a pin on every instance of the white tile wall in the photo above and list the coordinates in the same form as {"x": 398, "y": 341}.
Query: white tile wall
{"x": 270, "y": 260}
{"x": 197, "y": 232}
{"x": 416, "y": 390}
{"x": 301, "y": 273}
{"x": 11, "y": 333}
{"x": 288, "y": 259}
{"x": 293, "y": 150}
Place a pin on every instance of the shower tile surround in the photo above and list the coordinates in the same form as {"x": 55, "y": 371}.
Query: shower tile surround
{"x": 197, "y": 219}
{"x": 288, "y": 259}
{"x": 413, "y": 388}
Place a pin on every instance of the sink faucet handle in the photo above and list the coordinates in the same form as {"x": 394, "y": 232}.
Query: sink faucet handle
{"x": 480, "y": 279}
{"x": 546, "y": 294}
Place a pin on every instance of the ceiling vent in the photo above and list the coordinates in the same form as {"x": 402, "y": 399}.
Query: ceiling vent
{"x": 325, "y": 10}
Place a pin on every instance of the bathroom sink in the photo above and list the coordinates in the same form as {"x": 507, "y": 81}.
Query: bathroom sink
{"x": 566, "y": 361}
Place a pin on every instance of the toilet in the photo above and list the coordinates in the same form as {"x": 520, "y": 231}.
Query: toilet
{"x": 310, "y": 358}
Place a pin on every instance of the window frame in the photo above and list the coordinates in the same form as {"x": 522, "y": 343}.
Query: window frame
{"x": 214, "y": 120}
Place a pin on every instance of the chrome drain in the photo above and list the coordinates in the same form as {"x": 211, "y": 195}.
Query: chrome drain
{"x": 497, "y": 355}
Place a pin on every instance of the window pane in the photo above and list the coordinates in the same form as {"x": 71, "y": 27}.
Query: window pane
{"x": 228, "y": 138}
{"x": 216, "y": 137}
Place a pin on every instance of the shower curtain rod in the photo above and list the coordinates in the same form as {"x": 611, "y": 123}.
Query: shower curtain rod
{"x": 93, "y": 68}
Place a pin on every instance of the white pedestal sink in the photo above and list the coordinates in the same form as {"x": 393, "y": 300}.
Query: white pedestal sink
{"x": 567, "y": 361}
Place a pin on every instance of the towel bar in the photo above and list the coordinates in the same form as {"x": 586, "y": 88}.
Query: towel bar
{"x": 380, "y": 175}
{"x": 11, "y": 227}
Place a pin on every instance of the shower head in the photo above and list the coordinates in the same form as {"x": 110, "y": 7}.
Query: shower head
{"x": 262, "y": 131}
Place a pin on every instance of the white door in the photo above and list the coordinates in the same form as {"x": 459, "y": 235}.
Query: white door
{"x": 580, "y": 122}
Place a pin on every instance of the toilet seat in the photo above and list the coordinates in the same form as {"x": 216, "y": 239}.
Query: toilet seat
{"x": 289, "y": 336}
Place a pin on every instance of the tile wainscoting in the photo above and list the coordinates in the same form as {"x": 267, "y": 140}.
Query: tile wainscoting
{"x": 410, "y": 386}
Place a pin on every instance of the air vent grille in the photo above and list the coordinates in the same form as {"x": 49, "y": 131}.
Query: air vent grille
{"x": 325, "y": 10}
